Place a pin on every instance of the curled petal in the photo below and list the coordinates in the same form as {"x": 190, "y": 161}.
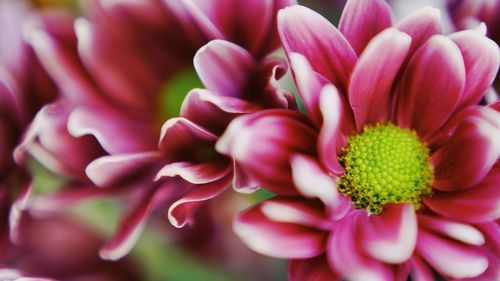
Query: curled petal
{"x": 224, "y": 67}
{"x": 108, "y": 170}
{"x": 467, "y": 157}
{"x": 362, "y": 20}
{"x": 182, "y": 140}
{"x": 391, "y": 236}
{"x": 306, "y": 32}
{"x": 195, "y": 173}
{"x": 307, "y": 213}
{"x": 214, "y": 111}
{"x": 115, "y": 132}
{"x": 181, "y": 212}
{"x": 242, "y": 181}
{"x": 263, "y": 143}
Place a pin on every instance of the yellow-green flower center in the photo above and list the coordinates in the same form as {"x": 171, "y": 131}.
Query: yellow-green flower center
{"x": 385, "y": 164}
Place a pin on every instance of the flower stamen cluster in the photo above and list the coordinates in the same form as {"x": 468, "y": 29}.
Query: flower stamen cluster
{"x": 385, "y": 164}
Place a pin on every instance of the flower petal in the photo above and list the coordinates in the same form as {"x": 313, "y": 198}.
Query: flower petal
{"x": 224, "y": 67}
{"x": 181, "y": 212}
{"x": 361, "y": 20}
{"x": 277, "y": 239}
{"x": 373, "y": 76}
{"x": 461, "y": 232}
{"x": 109, "y": 170}
{"x": 476, "y": 204}
{"x": 313, "y": 182}
{"x": 431, "y": 86}
{"x": 421, "y": 25}
{"x": 130, "y": 228}
{"x": 301, "y": 212}
{"x": 242, "y": 181}
{"x": 195, "y": 173}
{"x": 346, "y": 257}
{"x": 391, "y": 236}
{"x": 306, "y": 32}
{"x": 331, "y": 138}
{"x": 308, "y": 84}
{"x": 263, "y": 143}
{"x": 213, "y": 111}
{"x": 183, "y": 140}
{"x": 482, "y": 59}
{"x": 451, "y": 258}
{"x": 115, "y": 132}
{"x": 475, "y": 140}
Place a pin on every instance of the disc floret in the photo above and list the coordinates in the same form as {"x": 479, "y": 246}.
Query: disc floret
{"x": 385, "y": 164}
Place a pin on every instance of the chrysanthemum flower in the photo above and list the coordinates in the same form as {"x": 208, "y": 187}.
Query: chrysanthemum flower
{"x": 112, "y": 95}
{"x": 393, "y": 171}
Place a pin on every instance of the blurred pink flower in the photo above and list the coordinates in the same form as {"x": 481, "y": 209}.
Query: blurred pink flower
{"x": 59, "y": 248}
{"x": 109, "y": 111}
{"x": 394, "y": 169}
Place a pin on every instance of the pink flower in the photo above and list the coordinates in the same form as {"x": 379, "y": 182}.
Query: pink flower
{"x": 394, "y": 168}
{"x": 111, "y": 95}
{"x": 59, "y": 248}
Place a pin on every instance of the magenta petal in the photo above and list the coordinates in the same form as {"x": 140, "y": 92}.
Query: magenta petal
{"x": 373, "y": 76}
{"x": 476, "y": 204}
{"x": 313, "y": 182}
{"x": 278, "y": 239}
{"x": 331, "y": 138}
{"x": 301, "y": 212}
{"x": 467, "y": 157}
{"x": 224, "y": 67}
{"x": 213, "y": 111}
{"x": 391, "y": 236}
{"x": 346, "y": 257}
{"x": 114, "y": 131}
{"x": 431, "y": 86}
{"x": 308, "y": 84}
{"x": 420, "y": 271}
{"x": 180, "y": 136}
{"x": 361, "y": 20}
{"x": 421, "y": 25}
{"x": 127, "y": 81}
{"x": 21, "y": 204}
{"x": 459, "y": 231}
{"x": 195, "y": 173}
{"x": 451, "y": 258}
{"x": 181, "y": 212}
{"x": 313, "y": 269}
{"x": 107, "y": 170}
{"x": 263, "y": 143}
{"x": 306, "y": 32}
{"x": 482, "y": 59}
{"x": 242, "y": 181}
{"x": 129, "y": 228}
